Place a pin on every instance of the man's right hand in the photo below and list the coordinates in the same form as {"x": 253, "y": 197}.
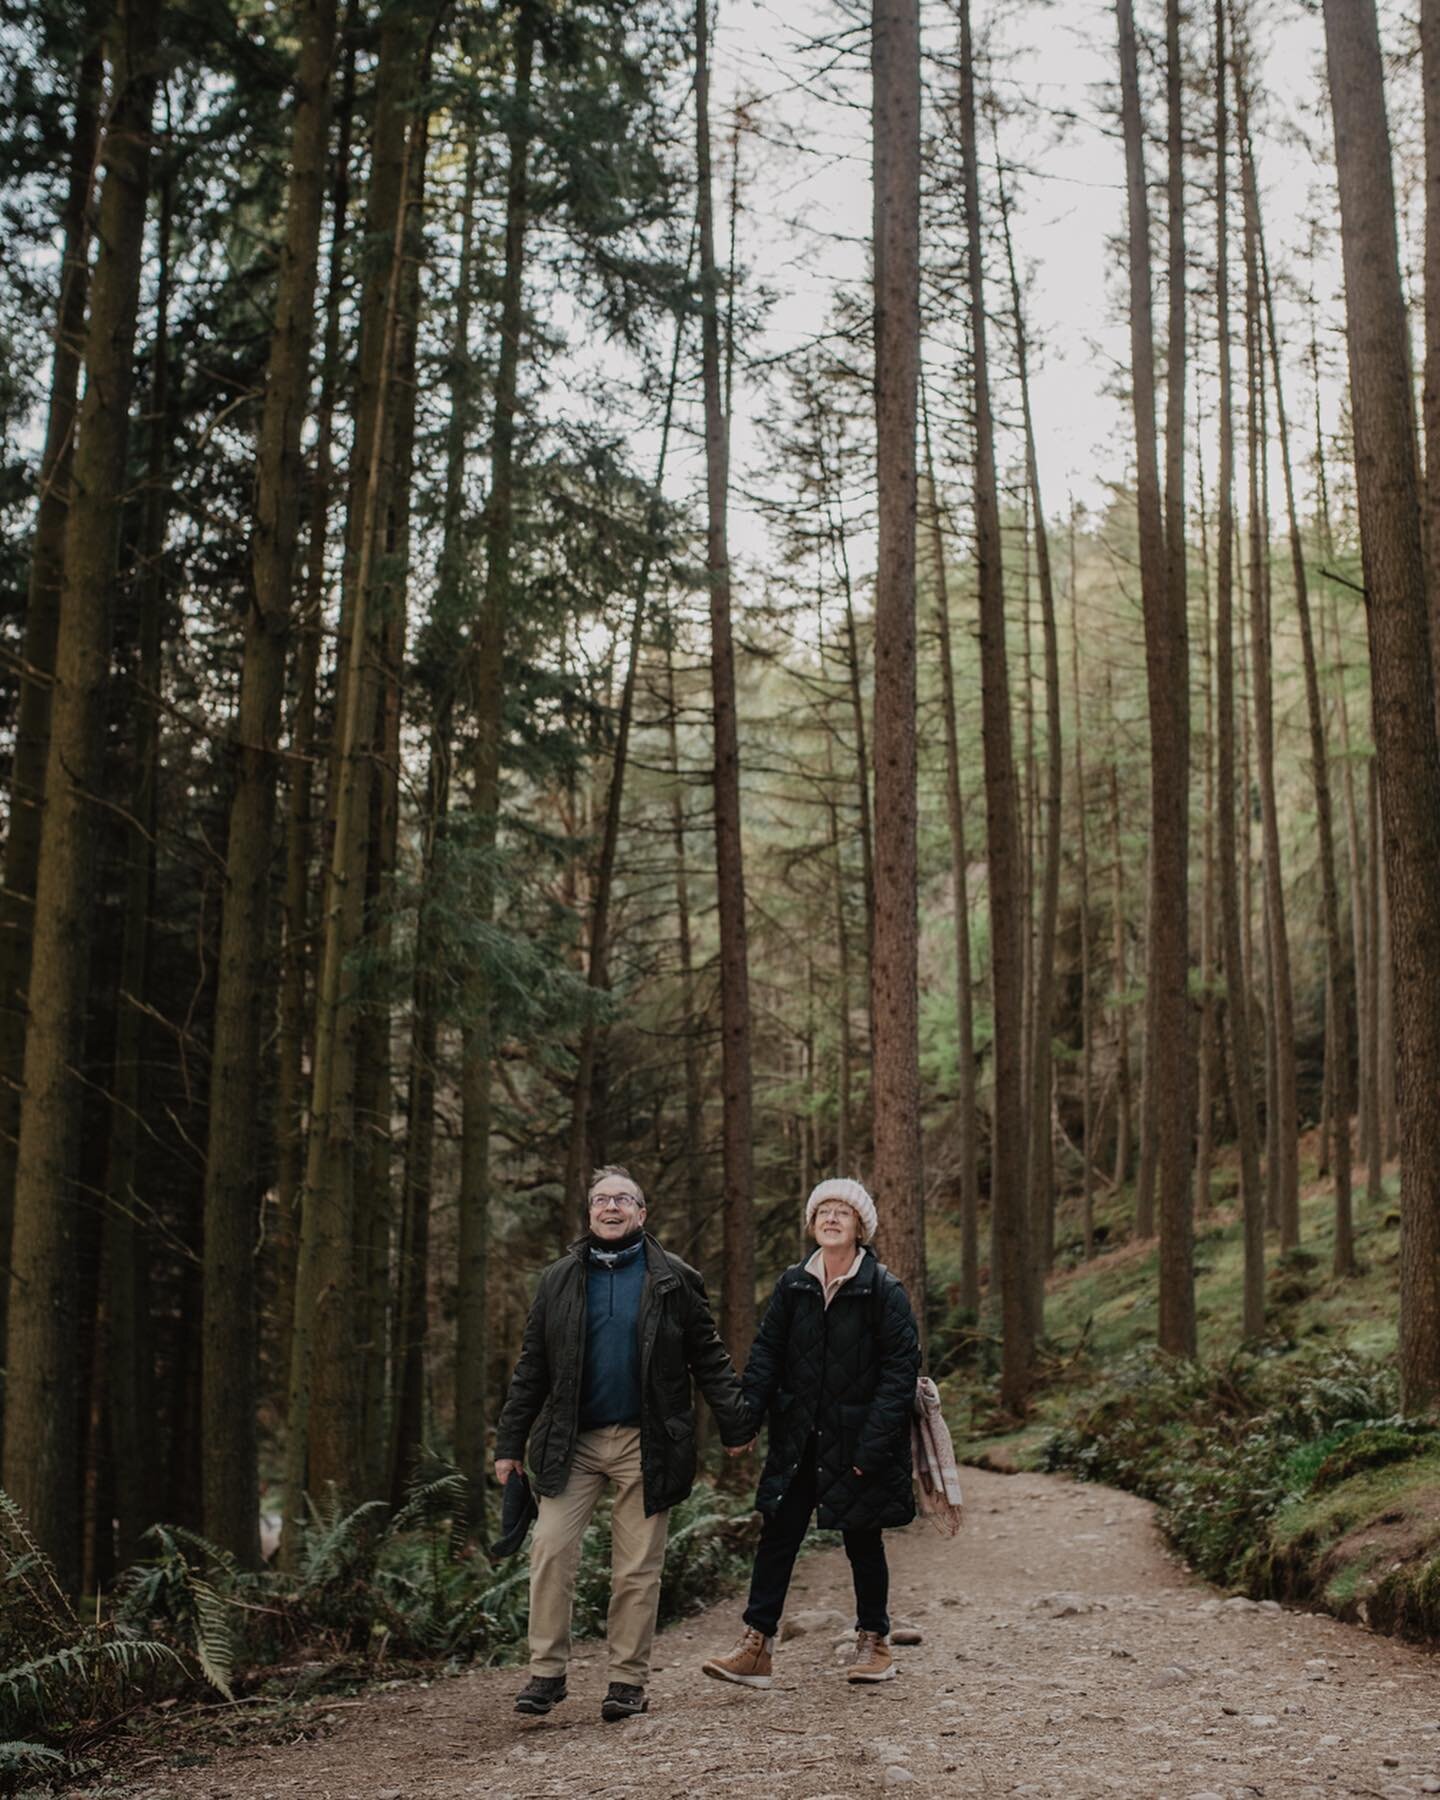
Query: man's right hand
{"x": 505, "y": 1467}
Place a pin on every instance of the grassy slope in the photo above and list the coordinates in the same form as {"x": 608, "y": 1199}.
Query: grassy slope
{"x": 1368, "y": 1548}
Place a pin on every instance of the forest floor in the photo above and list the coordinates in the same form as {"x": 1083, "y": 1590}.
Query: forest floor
{"x": 1065, "y": 1654}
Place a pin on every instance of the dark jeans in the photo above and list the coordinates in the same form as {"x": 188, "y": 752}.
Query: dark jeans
{"x": 780, "y": 1540}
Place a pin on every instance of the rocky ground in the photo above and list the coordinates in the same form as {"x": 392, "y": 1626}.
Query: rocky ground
{"x": 1064, "y": 1654}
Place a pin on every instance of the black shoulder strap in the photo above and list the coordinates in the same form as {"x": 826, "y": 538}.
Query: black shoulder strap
{"x": 877, "y": 1295}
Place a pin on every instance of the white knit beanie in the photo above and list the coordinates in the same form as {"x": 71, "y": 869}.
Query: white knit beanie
{"x": 853, "y": 1194}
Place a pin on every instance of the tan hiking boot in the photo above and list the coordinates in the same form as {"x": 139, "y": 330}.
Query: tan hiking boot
{"x": 748, "y": 1663}
{"x": 872, "y": 1660}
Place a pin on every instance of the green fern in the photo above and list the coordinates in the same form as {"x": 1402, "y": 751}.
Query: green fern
{"x": 29, "y": 1688}
{"x": 173, "y": 1587}
{"x": 341, "y": 1547}
{"x": 20, "y": 1758}
{"x": 214, "y": 1646}
{"x": 432, "y": 1501}
{"x": 31, "y": 1569}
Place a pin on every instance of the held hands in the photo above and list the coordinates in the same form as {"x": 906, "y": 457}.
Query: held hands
{"x": 740, "y": 1449}
{"x": 505, "y": 1467}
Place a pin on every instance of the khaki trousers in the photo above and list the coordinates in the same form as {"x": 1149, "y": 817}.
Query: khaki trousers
{"x": 637, "y": 1557}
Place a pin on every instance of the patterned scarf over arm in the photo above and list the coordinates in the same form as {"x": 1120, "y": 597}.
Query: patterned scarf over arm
{"x": 937, "y": 1479}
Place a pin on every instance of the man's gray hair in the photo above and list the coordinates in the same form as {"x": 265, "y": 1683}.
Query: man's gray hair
{"x": 606, "y": 1170}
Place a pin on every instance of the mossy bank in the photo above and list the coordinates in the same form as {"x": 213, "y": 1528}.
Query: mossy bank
{"x": 1282, "y": 1469}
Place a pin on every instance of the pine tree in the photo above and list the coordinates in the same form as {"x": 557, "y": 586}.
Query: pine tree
{"x": 1407, "y": 756}
{"x": 41, "y": 1459}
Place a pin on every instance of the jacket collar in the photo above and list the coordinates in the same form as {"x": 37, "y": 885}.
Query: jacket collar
{"x": 861, "y": 1282}
{"x": 658, "y": 1271}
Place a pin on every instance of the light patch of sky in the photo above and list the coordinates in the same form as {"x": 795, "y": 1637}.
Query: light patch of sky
{"x": 806, "y": 221}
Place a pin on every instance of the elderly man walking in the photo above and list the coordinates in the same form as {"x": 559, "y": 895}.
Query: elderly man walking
{"x": 602, "y": 1392}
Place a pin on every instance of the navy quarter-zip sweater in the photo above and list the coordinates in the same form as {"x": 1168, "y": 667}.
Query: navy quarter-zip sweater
{"x": 610, "y": 1384}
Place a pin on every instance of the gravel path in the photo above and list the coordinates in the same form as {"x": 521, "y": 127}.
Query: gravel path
{"x": 1065, "y": 1655}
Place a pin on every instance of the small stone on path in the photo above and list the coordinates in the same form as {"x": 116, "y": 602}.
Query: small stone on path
{"x": 810, "y": 1621}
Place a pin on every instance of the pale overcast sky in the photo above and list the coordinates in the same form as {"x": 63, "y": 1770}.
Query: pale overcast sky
{"x": 807, "y": 214}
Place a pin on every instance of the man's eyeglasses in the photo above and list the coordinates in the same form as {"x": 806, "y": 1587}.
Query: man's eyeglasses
{"x": 599, "y": 1200}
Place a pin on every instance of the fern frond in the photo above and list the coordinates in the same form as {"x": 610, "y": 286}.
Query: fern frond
{"x": 427, "y": 1502}
{"x": 20, "y": 1758}
{"x": 33, "y": 1683}
{"x": 45, "y": 1589}
{"x": 214, "y": 1646}
{"x": 342, "y": 1541}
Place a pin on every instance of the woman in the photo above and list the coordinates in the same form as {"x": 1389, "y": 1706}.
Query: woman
{"x": 834, "y": 1367}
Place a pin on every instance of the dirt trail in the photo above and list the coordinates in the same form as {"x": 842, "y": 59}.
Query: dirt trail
{"x": 1064, "y": 1655}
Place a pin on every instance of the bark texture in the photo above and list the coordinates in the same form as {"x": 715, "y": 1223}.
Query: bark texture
{"x": 737, "y": 1292}
{"x": 42, "y": 1444}
{"x": 1401, "y": 669}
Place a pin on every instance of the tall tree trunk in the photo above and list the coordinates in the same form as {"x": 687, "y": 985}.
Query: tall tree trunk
{"x": 1247, "y": 781}
{"x": 598, "y": 973}
{"x": 1002, "y": 818}
{"x": 296, "y": 957}
{"x": 690, "y": 1023}
{"x": 1119, "y": 977}
{"x": 499, "y": 523}
{"x": 1237, "y": 993}
{"x": 129, "y": 1366}
{"x": 233, "y": 1164}
{"x": 894, "y": 975}
{"x": 1209, "y": 1024}
{"x": 1375, "y": 1137}
{"x": 1401, "y": 667}
{"x": 1282, "y": 999}
{"x": 499, "y": 530}
{"x": 1430, "y": 93}
{"x": 451, "y": 607}
{"x": 1354, "y": 854}
{"x": 737, "y": 1294}
{"x": 1087, "y": 1013}
{"x": 374, "y": 1086}
{"x": 1147, "y": 1159}
{"x": 840, "y": 554}
{"x": 120, "y": 1453}
{"x": 1029, "y": 822}
{"x": 1338, "y": 1015}
{"x": 1385, "y": 1029}
{"x": 965, "y": 1100}
{"x": 1162, "y": 572}
{"x": 322, "y": 1446}
{"x": 41, "y": 1459}
{"x": 1040, "y": 1156}
{"x": 42, "y": 620}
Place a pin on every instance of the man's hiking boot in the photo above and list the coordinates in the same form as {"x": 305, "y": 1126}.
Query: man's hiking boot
{"x": 872, "y": 1660}
{"x": 623, "y": 1701}
{"x": 540, "y": 1693}
{"x": 748, "y": 1663}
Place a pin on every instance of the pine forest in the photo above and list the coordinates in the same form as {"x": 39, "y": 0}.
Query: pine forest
{"x": 749, "y": 592}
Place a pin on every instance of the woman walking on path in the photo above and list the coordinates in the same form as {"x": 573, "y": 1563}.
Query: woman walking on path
{"x": 834, "y": 1367}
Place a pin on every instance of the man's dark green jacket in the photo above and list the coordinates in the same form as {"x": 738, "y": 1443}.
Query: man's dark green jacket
{"x": 678, "y": 1340}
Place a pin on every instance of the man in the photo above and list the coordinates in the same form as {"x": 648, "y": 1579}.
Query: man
{"x": 602, "y": 1392}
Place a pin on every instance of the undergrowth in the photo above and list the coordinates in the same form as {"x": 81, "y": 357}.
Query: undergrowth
{"x": 375, "y": 1592}
{"x": 1232, "y": 1448}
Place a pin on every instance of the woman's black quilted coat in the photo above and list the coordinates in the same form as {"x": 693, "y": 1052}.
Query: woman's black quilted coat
{"x": 848, "y": 1374}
